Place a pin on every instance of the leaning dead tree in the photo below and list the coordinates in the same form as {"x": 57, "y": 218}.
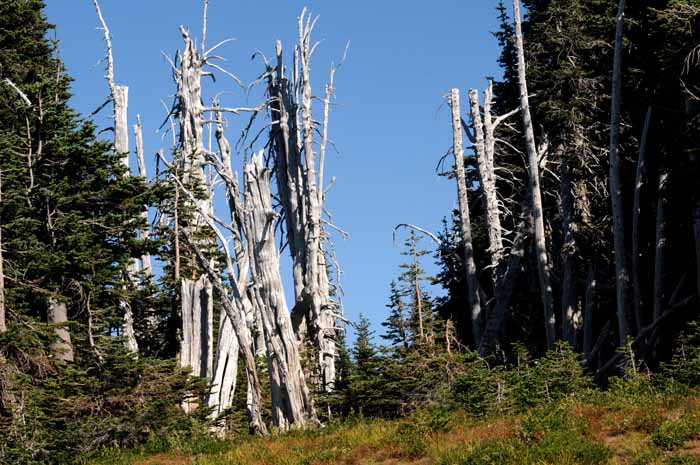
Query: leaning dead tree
{"x": 119, "y": 96}
{"x": 469, "y": 264}
{"x": 534, "y": 185}
{"x": 299, "y": 176}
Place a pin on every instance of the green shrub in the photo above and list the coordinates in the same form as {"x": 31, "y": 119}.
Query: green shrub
{"x": 674, "y": 433}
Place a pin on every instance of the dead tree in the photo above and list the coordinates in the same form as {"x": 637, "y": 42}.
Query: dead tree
{"x": 62, "y": 347}
{"x": 300, "y": 188}
{"x": 119, "y": 96}
{"x": 568, "y": 252}
{"x": 146, "y": 266}
{"x": 291, "y": 401}
{"x": 534, "y": 185}
{"x": 469, "y": 264}
{"x": 3, "y": 323}
{"x": 621, "y": 273}
{"x": 196, "y": 298}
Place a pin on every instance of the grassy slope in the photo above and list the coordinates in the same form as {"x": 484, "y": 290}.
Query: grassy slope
{"x": 641, "y": 428}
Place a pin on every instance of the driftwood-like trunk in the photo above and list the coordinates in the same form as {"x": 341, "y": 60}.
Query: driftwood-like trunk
{"x": 119, "y": 96}
{"x": 224, "y": 382}
{"x": 146, "y": 266}
{"x": 299, "y": 186}
{"x": 243, "y": 335}
{"x": 469, "y": 264}
{"x": 291, "y": 401}
{"x": 196, "y": 291}
{"x": 621, "y": 273}
{"x": 534, "y": 185}
{"x": 484, "y": 147}
{"x": 57, "y": 314}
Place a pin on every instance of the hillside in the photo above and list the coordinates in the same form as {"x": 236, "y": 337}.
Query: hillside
{"x": 590, "y": 429}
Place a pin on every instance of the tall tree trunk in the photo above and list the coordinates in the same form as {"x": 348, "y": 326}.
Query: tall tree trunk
{"x": 291, "y": 400}
{"x": 568, "y": 252}
{"x": 496, "y": 322}
{"x": 226, "y": 370}
{"x": 636, "y": 225}
{"x": 486, "y": 177}
{"x": 469, "y": 265}
{"x": 696, "y": 235}
{"x": 3, "y": 322}
{"x": 62, "y": 347}
{"x": 660, "y": 244}
{"x": 589, "y": 311}
{"x": 534, "y": 184}
{"x": 146, "y": 266}
{"x": 621, "y": 273}
{"x": 120, "y": 103}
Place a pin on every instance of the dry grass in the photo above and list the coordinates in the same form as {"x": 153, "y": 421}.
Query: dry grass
{"x": 618, "y": 434}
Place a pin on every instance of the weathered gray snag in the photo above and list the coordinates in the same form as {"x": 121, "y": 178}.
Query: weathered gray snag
{"x": 469, "y": 265}
{"x": 299, "y": 185}
{"x": 621, "y": 274}
{"x": 534, "y": 184}
{"x": 226, "y": 369}
{"x": 245, "y": 343}
{"x": 291, "y": 401}
{"x": 660, "y": 243}
{"x": 196, "y": 297}
{"x": 146, "y": 266}
{"x": 119, "y": 95}
{"x": 483, "y": 146}
{"x": 62, "y": 348}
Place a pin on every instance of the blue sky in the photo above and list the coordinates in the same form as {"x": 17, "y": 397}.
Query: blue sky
{"x": 390, "y": 123}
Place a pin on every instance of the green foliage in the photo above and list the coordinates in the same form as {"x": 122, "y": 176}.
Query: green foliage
{"x": 672, "y": 434}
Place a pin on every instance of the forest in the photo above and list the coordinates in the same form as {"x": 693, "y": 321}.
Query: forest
{"x": 144, "y": 316}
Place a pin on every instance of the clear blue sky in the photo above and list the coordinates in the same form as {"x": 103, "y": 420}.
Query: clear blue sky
{"x": 390, "y": 125}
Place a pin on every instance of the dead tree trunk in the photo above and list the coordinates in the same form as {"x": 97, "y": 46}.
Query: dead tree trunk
{"x": 660, "y": 243}
{"x": 469, "y": 265}
{"x": 484, "y": 135}
{"x": 589, "y": 311}
{"x": 301, "y": 198}
{"x": 568, "y": 252}
{"x": 226, "y": 369}
{"x": 119, "y": 96}
{"x": 621, "y": 273}
{"x": 146, "y": 266}
{"x": 196, "y": 297}
{"x": 534, "y": 184}
{"x": 495, "y": 324}
{"x": 3, "y": 322}
{"x": 291, "y": 401}
{"x": 62, "y": 347}
{"x": 636, "y": 224}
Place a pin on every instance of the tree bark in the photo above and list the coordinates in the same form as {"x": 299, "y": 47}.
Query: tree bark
{"x": 62, "y": 347}
{"x": 621, "y": 273}
{"x": 506, "y": 285}
{"x": 469, "y": 265}
{"x": 146, "y": 266}
{"x": 291, "y": 401}
{"x": 589, "y": 311}
{"x": 696, "y": 235}
{"x": 3, "y": 322}
{"x": 534, "y": 185}
{"x": 484, "y": 140}
{"x": 568, "y": 252}
{"x": 636, "y": 225}
{"x": 660, "y": 243}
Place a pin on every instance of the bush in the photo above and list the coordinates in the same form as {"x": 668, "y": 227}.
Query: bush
{"x": 674, "y": 433}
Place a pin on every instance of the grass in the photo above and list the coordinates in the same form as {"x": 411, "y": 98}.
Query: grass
{"x": 601, "y": 428}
